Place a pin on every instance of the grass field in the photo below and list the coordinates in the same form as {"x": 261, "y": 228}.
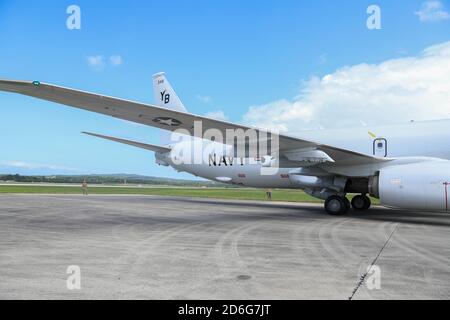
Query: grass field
{"x": 219, "y": 193}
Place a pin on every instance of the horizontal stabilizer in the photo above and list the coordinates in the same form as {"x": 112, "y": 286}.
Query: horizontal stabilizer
{"x": 141, "y": 145}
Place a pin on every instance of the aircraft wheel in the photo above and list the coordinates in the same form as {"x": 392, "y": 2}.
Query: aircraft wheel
{"x": 361, "y": 203}
{"x": 337, "y": 206}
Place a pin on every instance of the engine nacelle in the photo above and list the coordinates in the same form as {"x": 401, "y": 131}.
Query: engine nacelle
{"x": 418, "y": 186}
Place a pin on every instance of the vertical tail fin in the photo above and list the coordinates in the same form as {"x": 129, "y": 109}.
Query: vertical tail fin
{"x": 164, "y": 94}
{"x": 166, "y": 97}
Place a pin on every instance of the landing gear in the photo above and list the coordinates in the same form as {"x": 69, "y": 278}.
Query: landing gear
{"x": 361, "y": 202}
{"x": 337, "y": 205}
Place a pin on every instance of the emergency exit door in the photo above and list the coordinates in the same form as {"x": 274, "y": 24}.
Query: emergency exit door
{"x": 380, "y": 147}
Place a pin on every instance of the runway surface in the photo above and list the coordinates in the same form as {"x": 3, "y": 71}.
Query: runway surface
{"x": 150, "y": 247}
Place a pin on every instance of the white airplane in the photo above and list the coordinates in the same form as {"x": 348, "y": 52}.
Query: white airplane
{"x": 405, "y": 166}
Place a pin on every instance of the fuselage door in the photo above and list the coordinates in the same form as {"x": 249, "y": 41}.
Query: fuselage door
{"x": 380, "y": 147}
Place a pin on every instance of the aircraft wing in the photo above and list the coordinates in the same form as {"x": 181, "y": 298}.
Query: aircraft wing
{"x": 169, "y": 119}
{"x": 141, "y": 145}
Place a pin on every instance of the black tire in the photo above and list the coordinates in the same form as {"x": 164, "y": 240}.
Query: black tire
{"x": 347, "y": 202}
{"x": 361, "y": 203}
{"x": 368, "y": 203}
{"x": 337, "y": 206}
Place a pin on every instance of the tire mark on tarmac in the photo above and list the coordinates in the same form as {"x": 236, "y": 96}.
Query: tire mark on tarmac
{"x": 415, "y": 249}
{"x": 314, "y": 243}
{"x": 333, "y": 244}
{"x": 227, "y": 256}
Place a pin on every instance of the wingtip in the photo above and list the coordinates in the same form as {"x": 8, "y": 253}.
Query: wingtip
{"x": 88, "y": 133}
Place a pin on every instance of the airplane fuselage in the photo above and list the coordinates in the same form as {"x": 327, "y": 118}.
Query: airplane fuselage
{"x": 427, "y": 140}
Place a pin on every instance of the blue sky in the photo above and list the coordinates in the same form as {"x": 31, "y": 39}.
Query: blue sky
{"x": 219, "y": 55}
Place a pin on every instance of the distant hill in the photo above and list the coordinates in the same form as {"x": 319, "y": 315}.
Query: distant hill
{"x": 120, "y": 179}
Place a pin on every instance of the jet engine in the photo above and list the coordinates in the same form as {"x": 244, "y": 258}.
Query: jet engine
{"x": 419, "y": 186}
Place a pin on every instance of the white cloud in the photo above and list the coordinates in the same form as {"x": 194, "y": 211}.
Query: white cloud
{"x": 99, "y": 62}
{"x": 432, "y": 10}
{"x": 30, "y": 166}
{"x": 96, "y": 62}
{"x": 204, "y": 99}
{"x": 393, "y": 91}
{"x": 218, "y": 115}
{"x": 116, "y": 60}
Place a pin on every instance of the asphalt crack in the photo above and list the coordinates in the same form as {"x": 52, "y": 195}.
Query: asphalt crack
{"x": 364, "y": 276}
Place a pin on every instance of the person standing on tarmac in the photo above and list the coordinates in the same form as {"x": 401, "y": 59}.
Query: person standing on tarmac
{"x": 269, "y": 194}
{"x": 85, "y": 187}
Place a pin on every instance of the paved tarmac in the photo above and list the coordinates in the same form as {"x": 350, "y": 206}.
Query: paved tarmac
{"x": 152, "y": 247}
